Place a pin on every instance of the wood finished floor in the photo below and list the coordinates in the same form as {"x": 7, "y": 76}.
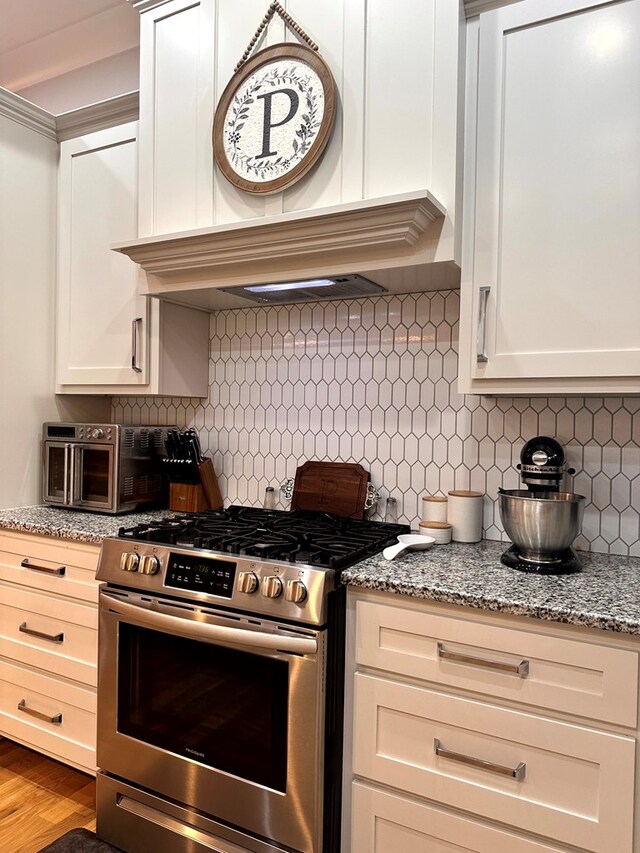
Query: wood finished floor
{"x": 40, "y": 799}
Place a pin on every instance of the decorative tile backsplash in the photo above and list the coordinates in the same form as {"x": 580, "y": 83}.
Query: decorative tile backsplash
{"x": 374, "y": 381}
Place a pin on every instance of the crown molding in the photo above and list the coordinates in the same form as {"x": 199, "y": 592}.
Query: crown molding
{"x": 145, "y": 5}
{"x": 24, "y": 112}
{"x": 108, "y": 113}
{"x": 395, "y": 224}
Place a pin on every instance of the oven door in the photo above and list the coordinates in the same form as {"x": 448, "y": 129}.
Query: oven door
{"x": 93, "y": 476}
{"x": 218, "y": 711}
{"x": 56, "y": 477}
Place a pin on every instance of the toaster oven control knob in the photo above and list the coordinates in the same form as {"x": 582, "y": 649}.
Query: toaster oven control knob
{"x": 149, "y": 565}
{"x": 271, "y": 586}
{"x": 247, "y": 582}
{"x": 295, "y": 591}
{"x": 129, "y": 562}
{"x": 97, "y": 433}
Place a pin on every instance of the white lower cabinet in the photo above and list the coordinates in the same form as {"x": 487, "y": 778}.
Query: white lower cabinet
{"x": 49, "y": 646}
{"x": 465, "y": 738}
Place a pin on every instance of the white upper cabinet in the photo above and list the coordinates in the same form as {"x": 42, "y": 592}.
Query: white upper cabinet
{"x": 396, "y": 71}
{"x": 551, "y": 258}
{"x": 110, "y": 339}
{"x": 101, "y": 320}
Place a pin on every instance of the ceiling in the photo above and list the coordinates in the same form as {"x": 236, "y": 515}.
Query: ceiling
{"x": 55, "y": 40}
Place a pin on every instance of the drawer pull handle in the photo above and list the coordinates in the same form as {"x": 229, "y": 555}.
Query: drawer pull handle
{"x": 53, "y": 638}
{"x": 36, "y": 568}
{"x": 22, "y": 706}
{"x": 517, "y": 773}
{"x": 520, "y": 669}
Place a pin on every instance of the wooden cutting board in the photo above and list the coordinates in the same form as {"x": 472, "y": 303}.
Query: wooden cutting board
{"x": 339, "y": 488}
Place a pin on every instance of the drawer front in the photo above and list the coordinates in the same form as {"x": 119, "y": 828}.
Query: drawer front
{"x": 36, "y": 561}
{"x": 576, "y": 785}
{"x": 66, "y": 728}
{"x": 69, "y": 646}
{"x": 563, "y": 675}
{"x": 386, "y": 823}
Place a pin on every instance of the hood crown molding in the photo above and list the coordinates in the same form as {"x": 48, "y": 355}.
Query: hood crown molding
{"x": 394, "y": 224}
{"x": 25, "y": 113}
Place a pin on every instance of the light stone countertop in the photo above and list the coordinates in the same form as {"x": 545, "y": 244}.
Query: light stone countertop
{"x": 70, "y": 524}
{"x": 605, "y": 595}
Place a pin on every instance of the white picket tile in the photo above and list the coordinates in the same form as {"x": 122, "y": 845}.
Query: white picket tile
{"x": 374, "y": 381}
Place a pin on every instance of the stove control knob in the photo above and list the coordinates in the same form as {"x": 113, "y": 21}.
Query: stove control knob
{"x": 295, "y": 591}
{"x": 247, "y": 582}
{"x": 271, "y": 586}
{"x": 97, "y": 433}
{"x": 149, "y": 565}
{"x": 129, "y": 562}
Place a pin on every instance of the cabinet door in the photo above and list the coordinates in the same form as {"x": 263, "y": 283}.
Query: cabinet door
{"x": 558, "y": 191}
{"x": 102, "y": 322}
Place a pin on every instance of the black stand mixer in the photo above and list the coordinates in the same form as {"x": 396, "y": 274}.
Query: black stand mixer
{"x": 542, "y": 520}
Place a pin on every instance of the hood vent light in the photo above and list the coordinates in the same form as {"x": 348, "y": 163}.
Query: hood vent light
{"x": 337, "y": 287}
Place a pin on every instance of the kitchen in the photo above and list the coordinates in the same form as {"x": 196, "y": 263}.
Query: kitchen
{"x": 376, "y": 380}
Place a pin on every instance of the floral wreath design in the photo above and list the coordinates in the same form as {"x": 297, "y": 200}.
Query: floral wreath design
{"x": 265, "y": 169}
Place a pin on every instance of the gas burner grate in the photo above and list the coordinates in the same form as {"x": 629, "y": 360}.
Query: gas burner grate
{"x": 312, "y": 538}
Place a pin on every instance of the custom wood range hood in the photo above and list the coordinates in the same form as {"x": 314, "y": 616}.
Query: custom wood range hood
{"x": 389, "y": 241}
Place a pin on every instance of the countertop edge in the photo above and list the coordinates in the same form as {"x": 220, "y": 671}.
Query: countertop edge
{"x": 603, "y": 623}
{"x": 69, "y": 534}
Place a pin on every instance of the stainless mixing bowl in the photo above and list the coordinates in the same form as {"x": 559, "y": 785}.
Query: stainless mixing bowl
{"x": 541, "y": 524}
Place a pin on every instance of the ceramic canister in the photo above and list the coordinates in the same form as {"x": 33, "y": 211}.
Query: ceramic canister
{"x": 434, "y": 508}
{"x": 440, "y": 530}
{"x": 465, "y": 516}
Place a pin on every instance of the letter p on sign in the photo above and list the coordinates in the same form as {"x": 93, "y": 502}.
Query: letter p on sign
{"x": 274, "y": 119}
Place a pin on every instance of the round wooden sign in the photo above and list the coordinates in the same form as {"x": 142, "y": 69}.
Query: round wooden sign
{"x": 274, "y": 118}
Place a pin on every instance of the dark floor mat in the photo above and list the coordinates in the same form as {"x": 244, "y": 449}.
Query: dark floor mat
{"x": 79, "y": 841}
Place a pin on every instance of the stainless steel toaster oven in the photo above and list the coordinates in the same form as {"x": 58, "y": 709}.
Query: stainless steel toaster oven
{"x": 107, "y": 468}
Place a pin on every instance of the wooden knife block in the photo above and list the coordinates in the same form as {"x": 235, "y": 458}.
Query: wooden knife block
{"x": 198, "y": 497}
{"x": 185, "y": 497}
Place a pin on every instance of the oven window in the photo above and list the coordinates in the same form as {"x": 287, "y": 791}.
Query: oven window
{"x": 95, "y": 472}
{"x": 56, "y": 473}
{"x": 219, "y": 706}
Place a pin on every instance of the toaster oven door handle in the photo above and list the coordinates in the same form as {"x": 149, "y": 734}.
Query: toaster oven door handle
{"x": 206, "y": 631}
{"x": 65, "y": 475}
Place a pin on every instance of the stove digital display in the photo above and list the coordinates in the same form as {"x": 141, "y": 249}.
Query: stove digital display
{"x": 189, "y": 571}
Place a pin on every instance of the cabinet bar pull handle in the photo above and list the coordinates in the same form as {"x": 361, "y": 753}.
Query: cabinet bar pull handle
{"x": 22, "y": 706}
{"x": 135, "y": 325}
{"x": 53, "y": 638}
{"x": 520, "y": 669}
{"x": 481, "y": 344}
{"x": 36, "y": 568}
{"x": 518, "y": 772}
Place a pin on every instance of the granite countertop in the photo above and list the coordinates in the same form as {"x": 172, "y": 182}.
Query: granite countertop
{"x": 70, "y": 524}
{"x": 605, "y": 595}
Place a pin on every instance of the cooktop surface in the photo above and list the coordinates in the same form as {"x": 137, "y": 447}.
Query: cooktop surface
{"x": 312, "y": 538}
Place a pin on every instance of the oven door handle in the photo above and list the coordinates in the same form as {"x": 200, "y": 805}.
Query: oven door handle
{"x": 207, "y": 632}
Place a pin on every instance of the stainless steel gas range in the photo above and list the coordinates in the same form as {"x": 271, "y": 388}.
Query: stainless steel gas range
{"x": 220, "y": 681}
